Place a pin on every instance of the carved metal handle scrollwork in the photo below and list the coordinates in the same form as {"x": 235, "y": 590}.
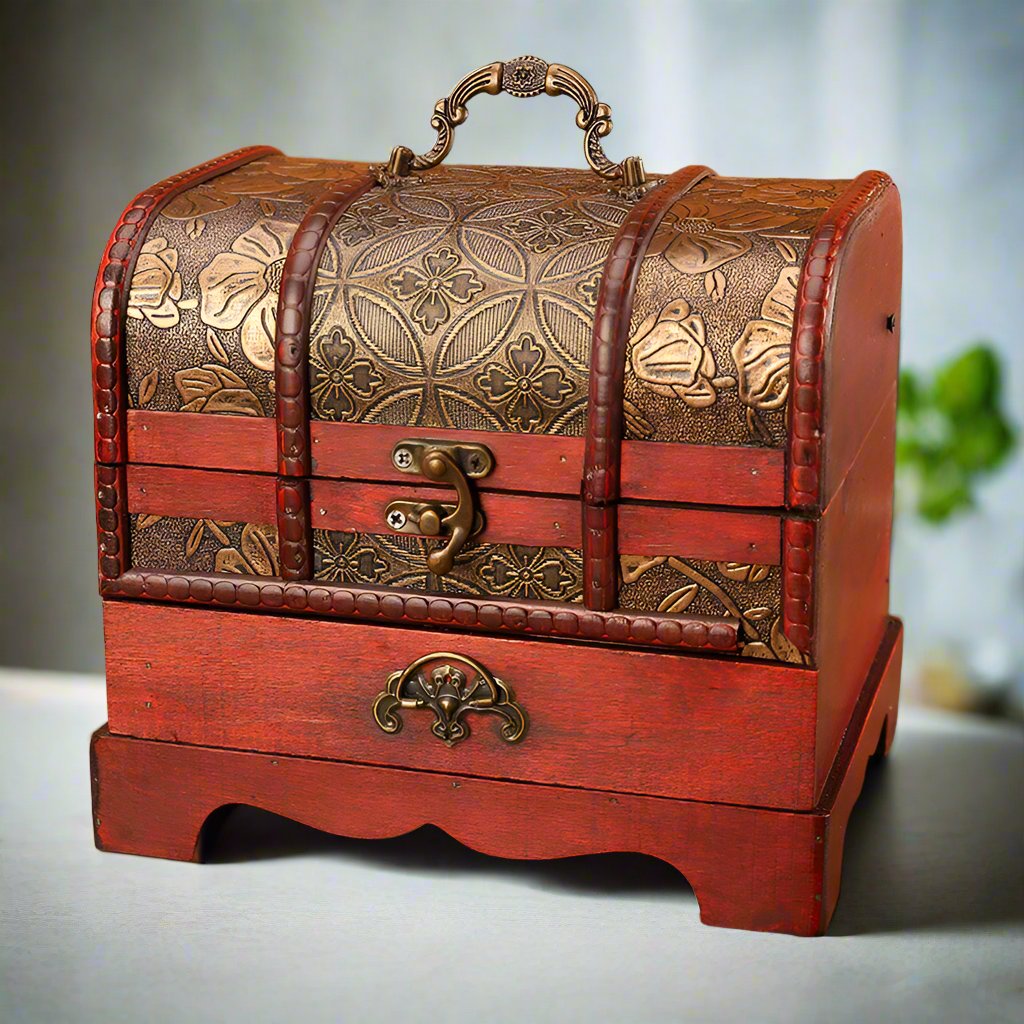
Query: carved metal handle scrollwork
{"x": 450, "y": 685}
{"x": 524, "y": 76}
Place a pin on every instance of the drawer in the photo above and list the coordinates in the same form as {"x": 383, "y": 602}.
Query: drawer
{"x": 666, "y": 724}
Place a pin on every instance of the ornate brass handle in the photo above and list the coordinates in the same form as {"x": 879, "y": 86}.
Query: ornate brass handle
{"x": 454, "y": 686}
{"x": 524, "y": 76}
{"x": 448, "y": 463}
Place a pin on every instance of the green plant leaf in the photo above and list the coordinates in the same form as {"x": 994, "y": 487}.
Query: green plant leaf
{"x": 969, "y": 383}
{"x": 909, "y": 397}
{"x": 952, "y": 430}
{"x": 982, "y": 443}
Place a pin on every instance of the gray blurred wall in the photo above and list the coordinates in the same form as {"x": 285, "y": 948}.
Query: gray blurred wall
{"x": 102, "y": 98}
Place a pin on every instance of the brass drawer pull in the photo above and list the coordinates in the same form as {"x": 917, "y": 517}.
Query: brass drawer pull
{"x": 441, "y": 462}
{"x": 453, "y": 686}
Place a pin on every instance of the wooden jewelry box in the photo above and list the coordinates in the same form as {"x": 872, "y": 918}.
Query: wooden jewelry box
{"x": 551, "y": 507}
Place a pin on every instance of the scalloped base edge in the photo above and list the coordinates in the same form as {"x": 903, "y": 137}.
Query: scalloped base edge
{"x": 755, "y": 868}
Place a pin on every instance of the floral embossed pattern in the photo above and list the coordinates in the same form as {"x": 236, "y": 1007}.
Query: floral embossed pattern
{"x": 750, "y": 593}
{"x": 177, "y": 544}
{"x": 337, "y": 380}
{"x": 713, "y": 316}
{"x": 523, "y": 385}
{"x": 203, "y": 297}
{"x": 481, "y": 570}
{"x": 465, "y": 292}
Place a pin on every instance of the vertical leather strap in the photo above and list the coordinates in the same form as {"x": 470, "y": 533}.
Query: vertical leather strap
{"x": 603, "y": 447}
{"x": 109, "y": 371}
{"x": 291, "y": 371}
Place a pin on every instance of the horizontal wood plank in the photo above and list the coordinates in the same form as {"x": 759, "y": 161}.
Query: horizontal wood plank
{"x": 510, "y": 518}
{"x": 556, "y": 522}
{"x": 247, "y": 444}
{"x": 202, "y": 494}
{"x": 549, "y": 464}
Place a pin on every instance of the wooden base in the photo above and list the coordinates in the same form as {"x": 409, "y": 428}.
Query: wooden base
{"x": 754, "y": 868}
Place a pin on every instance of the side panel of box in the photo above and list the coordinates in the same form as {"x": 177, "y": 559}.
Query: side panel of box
{"x": 862, "y": 348}
{"x": 851, "y": 603}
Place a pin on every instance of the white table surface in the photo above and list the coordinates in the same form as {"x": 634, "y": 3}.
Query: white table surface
{"x": 288, "y": 924}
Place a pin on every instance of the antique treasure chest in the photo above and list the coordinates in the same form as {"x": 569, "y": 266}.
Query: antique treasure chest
{"x": 550, "y": 507}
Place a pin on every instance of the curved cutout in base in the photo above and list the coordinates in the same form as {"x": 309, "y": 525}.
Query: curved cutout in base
{"x": 750, "y": 867}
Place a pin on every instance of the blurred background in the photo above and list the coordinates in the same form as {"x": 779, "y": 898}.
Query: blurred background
{"x": 101, "y": 99}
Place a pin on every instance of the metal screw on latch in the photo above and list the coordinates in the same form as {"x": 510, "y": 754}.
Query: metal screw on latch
{"x": 402, "y": 458}
{"x": 396, "y": 519}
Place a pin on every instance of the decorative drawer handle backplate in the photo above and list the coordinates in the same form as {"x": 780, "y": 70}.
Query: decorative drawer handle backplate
{"x": 450, "y": 685}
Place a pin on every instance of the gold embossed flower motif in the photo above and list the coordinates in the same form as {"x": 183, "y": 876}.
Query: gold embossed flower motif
{"x": 347, "y": 558}
{"x": 439, "y": 281}
{"x": 365, "y": 220}
{"x": 549, "y": 228}
{"x": 589, "y": 288}
{"x": 274, "y": 177}
{"x": 239, "y": 288}
{"x": 670, "y": 355}
{"x": 336, "y": 379}
{"x": 524, "y": 385}
{"x": 535, "y": 573}
{"x": 696, "y": 244}
{"x": 761, "y": 353}
{"x": 156, "y": 290}
{"x": 256, "y": 554}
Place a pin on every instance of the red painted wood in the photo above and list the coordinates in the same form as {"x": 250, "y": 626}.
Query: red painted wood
{"x": 246, "y": 444}
{"x": 863, "y": 354}
{"x": 550, "y": 464}
{"x": 871, "y": 727}
{"x": 202, "y": 494}
{"x": 699, "y": 727}
{"x": 765, "y": 870}
{"x": 719, "y": 536}
{"x": 830, "y": 344}
{"x": 509, "y": 518}
{"x": 851, "y": 577}
{"x": 555, "y": 522}
{"x": 703, "y": 474}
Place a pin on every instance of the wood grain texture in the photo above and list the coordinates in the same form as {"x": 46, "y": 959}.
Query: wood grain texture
{"x": 758, "y": 869}
{"x": 552, "y": 464}
{"x": 703, "y": 728}
{"x": 244, "y": 444}
{"x": 852, "y": 577}
{"x": 555, "y": 522}
{"x": 201, "y": 494}
{"x": 862, "y": 363}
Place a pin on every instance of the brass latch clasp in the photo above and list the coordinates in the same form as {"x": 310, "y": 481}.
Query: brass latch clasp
{"x": 441, "y": 462}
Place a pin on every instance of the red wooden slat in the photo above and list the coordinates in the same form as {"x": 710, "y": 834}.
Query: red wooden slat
{"x": 202, "y": 494}
{"x": 548, "y": 464}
